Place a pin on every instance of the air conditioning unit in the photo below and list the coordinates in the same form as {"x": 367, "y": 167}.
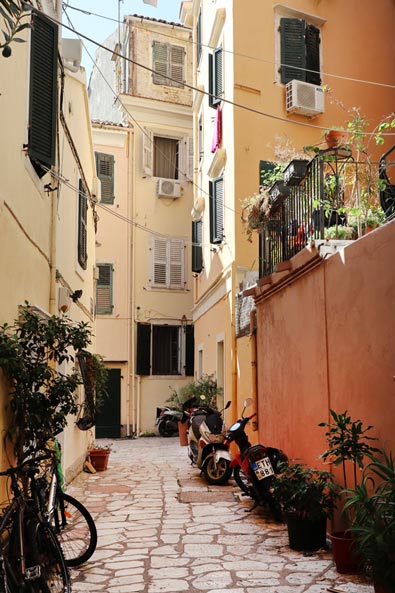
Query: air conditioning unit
{"x": 167, "y": 188}
{"x": 304, "y": 98}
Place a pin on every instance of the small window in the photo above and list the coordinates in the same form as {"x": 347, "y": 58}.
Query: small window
{"x": 167, "y": 158}
{"x": 168, "y": 64}
{"x": 104, "y": 290}
{"x": 105, "y": 172}
{"x": 216, "y": 193}
{"x": 215, "y": 86}
{"x": 197, "y": 251}
{"x": 300, "y": 51}
{"x": 82, "y": 225}
{"x": 167, "y": 263}
{"x": 165, "y": 350}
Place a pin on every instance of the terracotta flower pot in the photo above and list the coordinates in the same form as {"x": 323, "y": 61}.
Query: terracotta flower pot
{"x": 183, "y": 433}
{"x": 99, "y": 458}
{"x": 335, "y": 138}
{"x": 343, "y": 550}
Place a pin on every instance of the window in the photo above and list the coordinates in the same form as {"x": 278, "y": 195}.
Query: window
{"x": 216, "y": 196}
{"x": 168, "y": 158}
{"x": 167, "y": 263}
{"x": 300, "y": 51}
{"x": 215, "y": 77}
{"x": 197, "y": 251}
{"x": 168, "y": 64}
{"x": 165, "y": 349}
{"x": 43, "y": 93}
{"x": 82, "y": 225}
{"x": 104, "y": 289}
{"x": 105, "y": 172}
{"x": 200, "y": 138}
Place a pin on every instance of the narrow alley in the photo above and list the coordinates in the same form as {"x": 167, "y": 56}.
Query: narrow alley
{"x": 162, "y": 529}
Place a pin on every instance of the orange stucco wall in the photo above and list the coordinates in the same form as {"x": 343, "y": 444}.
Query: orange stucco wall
{"x": 326, "y": 340}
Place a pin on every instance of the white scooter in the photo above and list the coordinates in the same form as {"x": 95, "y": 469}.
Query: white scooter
{"x": 206, "y": 447}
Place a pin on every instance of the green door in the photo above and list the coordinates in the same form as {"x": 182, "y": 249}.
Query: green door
{"x": 108, "y": 421}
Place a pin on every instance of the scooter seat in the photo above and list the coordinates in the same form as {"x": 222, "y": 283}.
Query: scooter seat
{"x": 196, "y": 422}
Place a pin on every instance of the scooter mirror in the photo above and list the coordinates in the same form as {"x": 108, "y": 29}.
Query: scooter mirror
{"x": 228, "y": 403}
{"x": 248, "y": 402}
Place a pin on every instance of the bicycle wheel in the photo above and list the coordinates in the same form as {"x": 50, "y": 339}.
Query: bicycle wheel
{"x": 75, "y": 529}
{"x": 46, "y": 570}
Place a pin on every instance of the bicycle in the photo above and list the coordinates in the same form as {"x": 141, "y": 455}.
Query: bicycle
{"x": 70, "y": 519}
{"x": 31, "y": 559}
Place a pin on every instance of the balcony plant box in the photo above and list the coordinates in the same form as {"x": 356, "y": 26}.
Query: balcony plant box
{"x": 295, "y": 172}
{"x": 277, "y": 194}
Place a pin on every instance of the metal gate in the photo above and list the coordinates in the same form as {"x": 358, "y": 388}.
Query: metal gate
{"x": 108, "y": 420}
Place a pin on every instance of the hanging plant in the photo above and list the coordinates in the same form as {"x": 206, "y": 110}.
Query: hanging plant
{"x": 254, "y": 214}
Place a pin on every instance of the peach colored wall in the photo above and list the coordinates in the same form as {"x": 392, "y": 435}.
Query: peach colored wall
{"x": 327, "y": 341}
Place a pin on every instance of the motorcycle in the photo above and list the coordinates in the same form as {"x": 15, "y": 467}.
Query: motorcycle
{"x": 255, "y": 466}
{"x": 167, "y": 420}
{"x": 206, "y": 442}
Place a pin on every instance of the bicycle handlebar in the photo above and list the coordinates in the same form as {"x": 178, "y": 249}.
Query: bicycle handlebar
{"x": 11, "y": 471}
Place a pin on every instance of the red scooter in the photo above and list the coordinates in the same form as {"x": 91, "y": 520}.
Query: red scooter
{"x": 254, "y": 467}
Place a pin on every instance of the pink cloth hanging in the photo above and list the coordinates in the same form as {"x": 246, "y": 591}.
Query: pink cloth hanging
{"x": 217, "y": 136}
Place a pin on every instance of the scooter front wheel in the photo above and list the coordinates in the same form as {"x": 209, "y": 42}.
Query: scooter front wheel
{"x": 241, "y": 480}
{"x": 217, "y": 473}
{"x": 167, "y": 428}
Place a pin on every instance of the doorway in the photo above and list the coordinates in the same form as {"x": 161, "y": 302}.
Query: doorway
{"x": 108, "y": 421}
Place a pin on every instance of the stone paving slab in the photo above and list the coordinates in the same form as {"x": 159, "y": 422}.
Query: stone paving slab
{"x": 163, "y": 529}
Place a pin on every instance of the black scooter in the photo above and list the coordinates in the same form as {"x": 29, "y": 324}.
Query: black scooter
{"x": 255, "y": 467}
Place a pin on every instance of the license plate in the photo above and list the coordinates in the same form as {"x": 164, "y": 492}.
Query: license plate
{"x": 263, "y": 468}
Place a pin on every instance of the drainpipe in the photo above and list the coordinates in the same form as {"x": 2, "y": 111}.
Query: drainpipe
{"x": 129, "y": 281}
{"x": 253, "y": 354}
{"x": 132, "y": 335}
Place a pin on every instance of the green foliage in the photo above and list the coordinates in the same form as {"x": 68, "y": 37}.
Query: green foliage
{"x": 340, "y": 232}
{"x": 305, "y": 492}
{"x": 372, "y": 504}
{"x": 347, "y": 442}
{"x": 13, "y": 13}
{"x": 41, "y": 396}
{"x": 206, "y": 386}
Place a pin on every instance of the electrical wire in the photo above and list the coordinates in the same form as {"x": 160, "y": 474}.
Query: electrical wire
{"x": 253, "y": 58}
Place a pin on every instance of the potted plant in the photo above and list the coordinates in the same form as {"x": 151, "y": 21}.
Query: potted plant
{"x": 306, "y": 497}
{"x": 348, "y": 446}
{"x": 98, "y": 456}
{"x": 372, "y": 504}
{"x": 340, "y": 232}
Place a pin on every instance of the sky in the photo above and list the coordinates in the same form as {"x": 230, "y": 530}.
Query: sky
{"x": 99, "y": 29}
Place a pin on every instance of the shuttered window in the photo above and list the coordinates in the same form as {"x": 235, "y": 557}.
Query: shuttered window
{"x": 167, "y": 263}
{"x": 197, "y": 251}
{"x": 105, "y": 172}
{"x": 168, "y": 64}
{"x": 165, "y": 350}
{"x": 43, "y": 93}
{"x": 216, "y": 192}
{"x": 82, "y": 225}
{"x": 104, "y": 289}
{"x": 215, "y": 86}
{"x": 300, "y": 51}
{"x": 199, "y": 37}
{"x": 167, "y": 158}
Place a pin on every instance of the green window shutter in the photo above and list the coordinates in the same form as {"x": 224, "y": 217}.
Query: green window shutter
{"x": 215, "y": 77}
{"x": 82, "y": 225}
{"x": 265, "y": 168}
{"x": 313, "y": 68}
{"x": 189, "y": 351}
{"x": 197, "y": 251}
{"x": 43, "y": 92}
{"x": 104, "y": 290}
{"x": 105, "y": 172}
{"x": 143, "y": 364}
{"x": 216, "y": 191}
{"x": 293, "y": 49}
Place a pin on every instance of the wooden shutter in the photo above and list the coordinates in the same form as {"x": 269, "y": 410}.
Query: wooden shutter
{"x": 265, "y": 168}
{"x": 176, "y": 66}
{"x": 82, "y": 225}
{"x": 215, "y": 87}
{"x": 159, "y": 260}
{"x": 143, "y": 363}
{"x": 176, "y": 263}
{"x": 313, "y": 55}
{"x": 293, "y": 49}
{"x": 43, "y": 92}
{"x": 148, "y": 143}
{"x": 104, "y": 290}
{"x": 199, "y": 37}
{"x": 160, "y": 60}
{"x": 197, "y": 250}
{"x": 105, "y": 172}
{"x": 186, "y": 158}
{"x": 216, "y": 191}
{"x": 189, "y": 351}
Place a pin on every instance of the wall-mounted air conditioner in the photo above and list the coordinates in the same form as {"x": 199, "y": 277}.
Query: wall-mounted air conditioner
{"x": 304, "y": 98}
{"x": 167, "y": 188}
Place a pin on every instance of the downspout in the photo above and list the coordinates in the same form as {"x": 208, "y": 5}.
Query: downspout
{"x": 129, "y": 282}
{"x": 132, "y": 337}
{"x": 52, "y": 280}
{"x": 253, "y": 354}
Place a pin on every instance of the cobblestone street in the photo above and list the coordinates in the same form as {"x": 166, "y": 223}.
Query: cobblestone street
{"x": 162, "y": 529}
